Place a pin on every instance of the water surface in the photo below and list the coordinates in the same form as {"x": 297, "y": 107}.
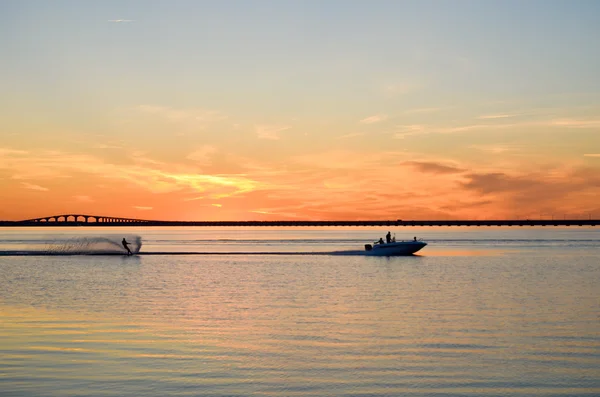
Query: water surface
{"x": 481, "y": 312}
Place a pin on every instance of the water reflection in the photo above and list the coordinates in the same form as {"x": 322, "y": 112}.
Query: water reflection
{"x": 231, "y": 325}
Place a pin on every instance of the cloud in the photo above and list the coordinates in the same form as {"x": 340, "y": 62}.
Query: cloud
{"x": 278, "y": 213}
{"x": 333, "y": 184}
{"x": 574, "y": 123}
{"x": 270, "y": 131}
{"x": 147, "y": 174}
{"x": 592, "y": 155}
{"x": 407, "y": 130}
{"x": 31, "y": 186}
{"x": 564, "y": 190}
{"x": 374, "y": 119}
{"x": 466, "y": 128}
{"x": 141, "y": 208}
{"x": 351, "y": 135}
{"x": 345, "y": 184}
{"x": 121, "y": 20}
{"x": 433, "y": 168}
{"x": 496, "y": 116}
{"x": 11, "y": 152}
{"x": 106, "y": 146}
{"x": 491, "y": 148}
{"x": 345, "y": 160}
{"x": 499, "y": 182}
{"x": 83, "y": 199}
{"x": 202, "y": 155}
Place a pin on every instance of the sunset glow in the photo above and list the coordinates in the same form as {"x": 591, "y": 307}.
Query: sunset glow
{"x": 332, "y": 110}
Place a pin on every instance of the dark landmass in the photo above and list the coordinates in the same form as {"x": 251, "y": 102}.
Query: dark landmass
{"x": 103, "y": 221}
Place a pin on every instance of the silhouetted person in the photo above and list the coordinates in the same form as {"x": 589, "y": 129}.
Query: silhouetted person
{"x": 388, "y": 237}
{"x": 380, "y": 240}
{"x": 415, "y": 238}
{"x": 126, "y": 245}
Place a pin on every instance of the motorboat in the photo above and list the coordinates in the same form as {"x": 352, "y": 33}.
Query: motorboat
{"x": 394, "y": 248}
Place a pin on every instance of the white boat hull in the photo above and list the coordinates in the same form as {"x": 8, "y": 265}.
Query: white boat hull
{"x": 399, "y": 248}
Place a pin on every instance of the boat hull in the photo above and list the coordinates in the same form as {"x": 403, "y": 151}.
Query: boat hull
{"x": 402, "y": 248}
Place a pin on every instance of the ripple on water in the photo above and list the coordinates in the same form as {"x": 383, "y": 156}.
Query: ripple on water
{"x": 299, "y": 326}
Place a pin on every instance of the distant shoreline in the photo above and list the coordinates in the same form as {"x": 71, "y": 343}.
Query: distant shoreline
{"x": 122, "y": 222}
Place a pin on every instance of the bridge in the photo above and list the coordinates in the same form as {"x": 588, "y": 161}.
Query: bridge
{"x": 77, "y": 219}
{"x": 98, "y": 221}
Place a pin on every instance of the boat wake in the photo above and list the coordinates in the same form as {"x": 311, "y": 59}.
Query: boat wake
{"x": 110, "y": 252}
{"x": 82, "y": 246}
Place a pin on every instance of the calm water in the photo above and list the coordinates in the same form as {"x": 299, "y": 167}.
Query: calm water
{"x": 480, "y": 312}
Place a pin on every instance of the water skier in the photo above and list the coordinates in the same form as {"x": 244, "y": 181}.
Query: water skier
{"x": 126, "y": 245}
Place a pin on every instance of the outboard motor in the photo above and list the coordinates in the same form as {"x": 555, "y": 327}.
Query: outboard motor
{"x": 368, "y": 247}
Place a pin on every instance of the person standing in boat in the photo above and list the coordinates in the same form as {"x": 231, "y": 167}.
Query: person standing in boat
{"x": 388, "y": 237}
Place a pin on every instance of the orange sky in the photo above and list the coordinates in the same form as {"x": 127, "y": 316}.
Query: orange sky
{"x": 163, "y": 113}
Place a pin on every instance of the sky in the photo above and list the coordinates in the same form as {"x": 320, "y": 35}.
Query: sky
{"x": 300, "y": 110}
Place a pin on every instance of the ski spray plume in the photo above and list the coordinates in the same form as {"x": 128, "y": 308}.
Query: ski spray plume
{"x": 95, "y": 246}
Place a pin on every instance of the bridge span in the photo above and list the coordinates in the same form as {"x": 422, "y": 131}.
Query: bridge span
{"x": 103, "y": 221}
{"x": 86, "y": 220}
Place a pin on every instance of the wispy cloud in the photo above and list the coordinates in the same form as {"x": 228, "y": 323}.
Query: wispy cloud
{"x": 575, "y": 123}
{"x": 32, "y": 186}
{"x": 496, "y": 116}
{"x": 142, "y": 208}
{"x": 433, "y": 168}
{"x": 270, "y": 131}
{"x": 491, "y": 148}
{"x": 374, "y": 119}
{"x": 407, "y": 130}
{"x": 351, "y": 135}
{"x": 495, "y": 122}
{"x": 592, "y": 155}
{"x": 465, "y": 128}
{"x": 83, "y": 199}
{"x": 279, "y": 213}
{"x": 149, "y": 175}
{"x": 106, "y": 146}
{"x": 121, "y": 20}
{"x": 345, "y": 160}
{"x": 202, "y": 155}
{"x": 11, "y": 152}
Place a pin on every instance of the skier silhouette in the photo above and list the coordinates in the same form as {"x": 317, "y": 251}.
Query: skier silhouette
{"x": 126, "y": 245}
